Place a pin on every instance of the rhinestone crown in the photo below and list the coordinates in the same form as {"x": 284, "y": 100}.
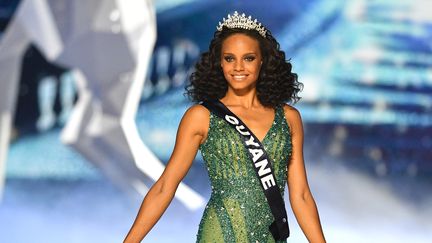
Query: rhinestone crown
{"x": 243, "y": 22}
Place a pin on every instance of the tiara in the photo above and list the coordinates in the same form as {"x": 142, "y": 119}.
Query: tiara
{"x": 240, "y": 21}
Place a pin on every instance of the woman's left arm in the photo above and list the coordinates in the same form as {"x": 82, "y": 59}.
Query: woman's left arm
{"x": 300, "y": 196}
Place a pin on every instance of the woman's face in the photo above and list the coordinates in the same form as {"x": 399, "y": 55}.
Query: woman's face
{"x": 241, "y": 61}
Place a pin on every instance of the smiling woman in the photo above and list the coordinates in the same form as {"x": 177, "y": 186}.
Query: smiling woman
{"x": 275, "y": 83}
{"x": 241, "y": 62}
{"x": 246, "y": 75}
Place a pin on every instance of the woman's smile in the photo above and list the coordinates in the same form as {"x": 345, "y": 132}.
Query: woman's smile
{"x": 239, "y": 77}
{"x": 241, "y": 61}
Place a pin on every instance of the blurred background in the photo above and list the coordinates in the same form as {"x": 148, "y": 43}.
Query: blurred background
{"x": 366, "y": 66}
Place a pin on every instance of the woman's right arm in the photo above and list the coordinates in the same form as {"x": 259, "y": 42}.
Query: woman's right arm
{"x": 191, "y": 132}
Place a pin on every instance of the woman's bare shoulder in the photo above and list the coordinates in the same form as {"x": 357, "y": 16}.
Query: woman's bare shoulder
{"x": 197, "y": 112}
{"x": 198, "y": 117}
{"x": 293, "y": 116}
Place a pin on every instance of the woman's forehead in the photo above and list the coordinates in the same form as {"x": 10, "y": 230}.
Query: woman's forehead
{"x": 240, "y": 43}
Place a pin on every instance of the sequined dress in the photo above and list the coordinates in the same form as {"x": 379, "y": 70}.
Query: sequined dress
{"x": 237, "y": 210}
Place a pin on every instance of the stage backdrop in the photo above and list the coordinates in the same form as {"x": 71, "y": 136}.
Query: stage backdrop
{"x": 366, "y": 105}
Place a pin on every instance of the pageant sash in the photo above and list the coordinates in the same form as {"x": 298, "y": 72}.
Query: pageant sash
{"x": 262, "y": 165}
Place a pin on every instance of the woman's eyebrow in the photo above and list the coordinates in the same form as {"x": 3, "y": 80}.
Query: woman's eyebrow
{"x": 249, "y": 53}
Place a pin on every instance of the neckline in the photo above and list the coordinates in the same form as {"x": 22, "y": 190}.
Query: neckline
{"x": 268, "y": 131}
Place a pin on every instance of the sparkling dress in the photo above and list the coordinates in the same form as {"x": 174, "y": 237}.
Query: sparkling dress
{"x": 237, "y": 210}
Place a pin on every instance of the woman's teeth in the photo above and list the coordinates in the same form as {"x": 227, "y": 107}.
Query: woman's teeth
{"x": 239, "y": 77}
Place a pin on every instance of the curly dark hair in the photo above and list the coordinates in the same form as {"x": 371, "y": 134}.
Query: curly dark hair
{"x": 276, "y": 83}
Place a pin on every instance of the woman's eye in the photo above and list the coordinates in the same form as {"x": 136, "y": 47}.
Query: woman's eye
{"x": 228, "y": 58}
{"x": 249, "y": 59}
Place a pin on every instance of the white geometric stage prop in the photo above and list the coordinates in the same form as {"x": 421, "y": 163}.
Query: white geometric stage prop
{"x": 108, "y": 44}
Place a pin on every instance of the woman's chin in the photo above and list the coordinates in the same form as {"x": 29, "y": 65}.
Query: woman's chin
{"x": 241, "y": 87}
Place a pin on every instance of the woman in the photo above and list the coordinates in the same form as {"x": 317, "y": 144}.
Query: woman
{"x": 245, "y": 71}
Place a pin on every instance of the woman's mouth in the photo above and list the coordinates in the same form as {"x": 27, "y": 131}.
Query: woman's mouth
{"x": 239, "y": 76}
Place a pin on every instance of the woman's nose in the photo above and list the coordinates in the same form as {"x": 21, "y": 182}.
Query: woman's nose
{"x": 238, "y": 66}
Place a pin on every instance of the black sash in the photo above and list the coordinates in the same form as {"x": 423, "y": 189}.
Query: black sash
{"x": 262, "y": 165}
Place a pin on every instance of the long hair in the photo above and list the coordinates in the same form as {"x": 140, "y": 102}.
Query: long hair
{"x": 276, "y": 83}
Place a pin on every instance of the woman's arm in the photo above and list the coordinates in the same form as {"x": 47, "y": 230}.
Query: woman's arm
{"x": 300, "y": 196}
{"x": 191, "y": 132}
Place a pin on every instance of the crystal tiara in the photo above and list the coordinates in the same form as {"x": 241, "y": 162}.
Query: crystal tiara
{"x": 240, "y": 21}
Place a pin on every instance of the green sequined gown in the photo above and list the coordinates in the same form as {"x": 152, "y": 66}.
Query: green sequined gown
{"x": 237, "y": 210}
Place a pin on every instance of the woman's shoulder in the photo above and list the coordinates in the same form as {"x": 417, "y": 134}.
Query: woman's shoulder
{"x": 198, "y": 117}
{"x": 292, "y": 115}
{"x": 197, "y": 111}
